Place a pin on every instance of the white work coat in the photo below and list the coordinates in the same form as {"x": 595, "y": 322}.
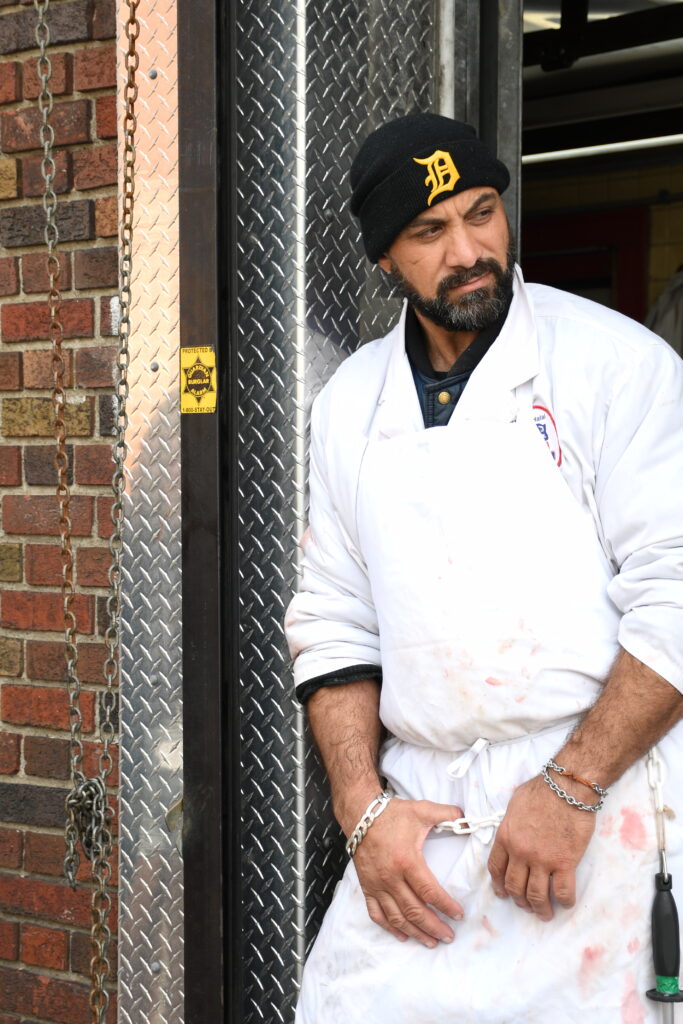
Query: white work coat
{"x": 492, "y": 568}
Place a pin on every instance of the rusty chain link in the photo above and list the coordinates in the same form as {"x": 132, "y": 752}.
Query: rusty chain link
{"x": 89, "y": 814}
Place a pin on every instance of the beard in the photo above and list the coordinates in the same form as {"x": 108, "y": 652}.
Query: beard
{"x": 474, "y": 310}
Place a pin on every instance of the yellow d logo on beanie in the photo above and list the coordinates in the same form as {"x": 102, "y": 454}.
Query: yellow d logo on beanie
{"x": 442, "y": 174}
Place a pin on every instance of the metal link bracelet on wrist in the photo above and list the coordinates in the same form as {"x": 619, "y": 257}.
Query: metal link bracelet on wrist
{"x": 369, "y": 816}
{"x": 564, "y": 795}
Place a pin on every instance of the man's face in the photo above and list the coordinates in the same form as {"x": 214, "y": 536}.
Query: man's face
{"x": 455, "y": 263}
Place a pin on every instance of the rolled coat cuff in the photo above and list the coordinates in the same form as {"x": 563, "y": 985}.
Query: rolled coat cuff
{"x": 354, "y": 674}
{"x": 325, "y": 661}
{"x": 653, "y": 634}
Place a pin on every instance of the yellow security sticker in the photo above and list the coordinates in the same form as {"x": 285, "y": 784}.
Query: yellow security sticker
{"x": 198, "y": 379}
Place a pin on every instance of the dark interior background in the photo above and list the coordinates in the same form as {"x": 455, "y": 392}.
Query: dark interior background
{"x": 608, "y": 225}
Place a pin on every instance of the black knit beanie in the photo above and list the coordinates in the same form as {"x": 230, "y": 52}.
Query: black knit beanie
{"x": 411, "y": 164}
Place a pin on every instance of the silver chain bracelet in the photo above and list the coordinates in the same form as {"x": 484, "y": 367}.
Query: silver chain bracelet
{"x": 370, "y": 815}
{"x": 564, "y": 795}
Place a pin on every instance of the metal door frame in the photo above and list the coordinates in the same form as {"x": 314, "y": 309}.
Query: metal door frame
{"x": 213, "y": 845}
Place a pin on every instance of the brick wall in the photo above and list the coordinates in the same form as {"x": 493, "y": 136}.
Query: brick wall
{"x": 44, "y": 926}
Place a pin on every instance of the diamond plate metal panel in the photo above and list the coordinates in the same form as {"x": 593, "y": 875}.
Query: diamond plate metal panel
{"x": 313, "y": 77}
{"x": 151, "y": 875}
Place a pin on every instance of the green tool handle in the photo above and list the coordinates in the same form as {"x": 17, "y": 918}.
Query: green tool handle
{"x": 666, "y": 949}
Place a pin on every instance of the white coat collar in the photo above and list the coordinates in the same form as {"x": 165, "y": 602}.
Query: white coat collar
{"x": 512, "y": 360}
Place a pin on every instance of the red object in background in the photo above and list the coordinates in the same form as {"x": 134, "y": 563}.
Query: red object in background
{"x": 608, "y": 247}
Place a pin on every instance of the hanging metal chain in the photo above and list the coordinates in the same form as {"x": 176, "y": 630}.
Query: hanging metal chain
{"x": 654, "y": 778}
{"x": 89, "y": 815}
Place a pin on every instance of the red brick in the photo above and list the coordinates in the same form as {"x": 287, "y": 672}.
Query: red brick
{"x": 33, "y": 183}
{"x": 91, "y": 756}
{"x": 10, "y": 371}
{"x": 105, "y": 117}
{"x": 20, "y": 129}
{"x": 9, "y": 275}
{"x": 96, "y": 268}
{"x": 24, "y": 803}
{"x": 69, "y": 23}
{"x": 109, "y": 316}
{"x": 34, "y": 272}
{"x": 9, "y": 940}
{"x": 10, "y": 465}
{"x": 107, "y": 410}
{"x": 46, "y": 757}
{"x": 95, "y": 167}
{"x": 104, "y": 20}
{"x": 9, "y": 178}
{"x": 11, "y": 651}
{"x": 25, "y": 225}
{"x": 30, "y": 321}
{"x": 44, "y": 852}
{"x": 105, "y": 527}
{"x": 106, "y": 217}
{"x": 92, "y": 567}
{"x": 29, "y": 994}
{"x": 10, "y": 82}
{"x": 81, "y": 955}
{"x": 45, "y": 661}
{"x": 38, "y": 514}
{"x": 51, "y": 901}
{"x": 34, "y": 417}
{"x": 94, "y": 367}
{"x": 94, "y": 464}
{"x": 95, "y": 68}
{"x": 11, "y": 847}
{"x": 10, "y": 753}
{"x": 43, "y": 706}
{"x": 26, "y": 609}
{"x": 43, "y": 947}
{"x": 61, "y": 77}
{"x": 39, "y": 465}
{"x": 38, "y": 372}
{"x": 43, "y": 564}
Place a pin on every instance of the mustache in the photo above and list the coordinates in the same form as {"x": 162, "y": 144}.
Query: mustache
{"x": 467, "y": 274}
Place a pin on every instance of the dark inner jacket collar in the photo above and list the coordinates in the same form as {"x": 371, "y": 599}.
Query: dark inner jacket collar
{"x": 416, "y": 348}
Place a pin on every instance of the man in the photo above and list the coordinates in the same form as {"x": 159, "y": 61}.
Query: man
{"x": 493, "y": 576}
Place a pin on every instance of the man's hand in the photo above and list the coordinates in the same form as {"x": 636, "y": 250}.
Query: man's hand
{"x": 539, "y": 843}
{"x": 399, "y": 888}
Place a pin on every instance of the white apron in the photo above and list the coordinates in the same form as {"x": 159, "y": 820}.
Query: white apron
{"x": 494, "y": 625}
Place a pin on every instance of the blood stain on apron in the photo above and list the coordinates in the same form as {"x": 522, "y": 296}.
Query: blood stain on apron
{"x": 632, "y": 831}
{"x": 632, "y": 1009}
{"x": 591, "y": 966}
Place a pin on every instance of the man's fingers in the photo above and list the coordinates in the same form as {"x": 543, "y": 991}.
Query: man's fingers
{"x": 425, "y": 885}
{"x": 564, "y": 887}
{"x": 516, "y": 883}
{"x": 538, "y": 893}
{"x": 433, "y": 813}
{"x": 399, "y": 922}
{"x": 377, "y": 915}
{"x": 498, "y": 864}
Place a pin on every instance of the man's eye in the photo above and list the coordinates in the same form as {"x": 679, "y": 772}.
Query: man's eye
{"x": 483, "y": 214}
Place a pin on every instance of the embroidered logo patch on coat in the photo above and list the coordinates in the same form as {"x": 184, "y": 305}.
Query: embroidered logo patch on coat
{"x": 543, "y": 418}
{"x": 442, "y": 174}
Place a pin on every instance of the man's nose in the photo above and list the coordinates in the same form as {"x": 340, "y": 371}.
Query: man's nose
{"x": 462, "y": 250}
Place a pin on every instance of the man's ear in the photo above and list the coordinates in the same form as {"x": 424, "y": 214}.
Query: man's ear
{"x": 384, "y": 263}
